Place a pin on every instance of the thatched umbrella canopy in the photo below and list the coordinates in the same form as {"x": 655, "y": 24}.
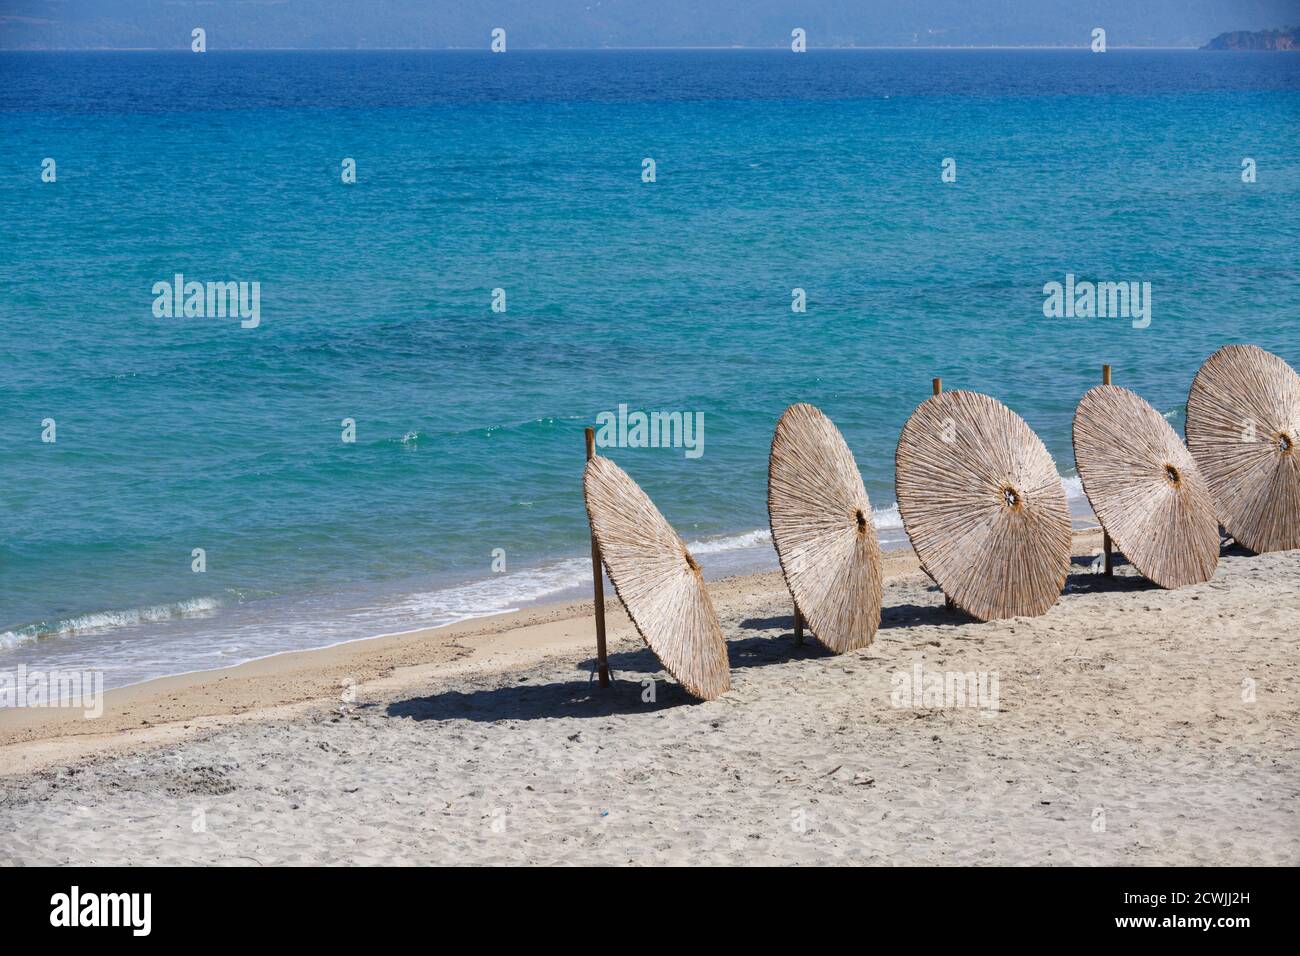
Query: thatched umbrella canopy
{"x": 657, "y": 580}
{"x": 1145, "y": 488}
{"x": 983, "y": 505}
{"x": 1243, "y": 422}
{"x": 822, "y": 529}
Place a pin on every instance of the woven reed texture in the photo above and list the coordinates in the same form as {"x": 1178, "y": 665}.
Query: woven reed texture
{"x": 1145, "y": 488}
{"x": 822, "y": 529}
{"x": 657, "y": 580}
{"x": 983, "y": 505}
{"x": 1243, "y": 422}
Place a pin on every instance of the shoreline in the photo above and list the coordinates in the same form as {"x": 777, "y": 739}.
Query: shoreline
{"x": 745, "y": 552}
{"x": 1127, "y": 725}
{"x": 728, "y": 554}
{"x": 163, "y": 710}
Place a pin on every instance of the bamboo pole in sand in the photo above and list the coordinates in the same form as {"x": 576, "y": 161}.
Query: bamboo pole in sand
{"x": 598, "y": 586}
{"x": 1105, "y": 537}
{"x": 938, "y": 390}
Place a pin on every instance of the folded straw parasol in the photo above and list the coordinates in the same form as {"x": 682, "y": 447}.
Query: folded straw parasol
{"x": 983, "y": 505}
{"x": 657, "y": 580}
{"x": 822, "y": 529}
{"x": 1145, "y": 488}
{"x": 1243, "y": 422}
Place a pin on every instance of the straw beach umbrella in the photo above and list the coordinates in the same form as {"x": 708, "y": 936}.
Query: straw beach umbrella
{"x": 1145, "y": 488}
{"x": 657, "y": 580}
{"x": 822, "y": 529}
{"x": 1243, "y": 422}
{"x": 983, "y": 505}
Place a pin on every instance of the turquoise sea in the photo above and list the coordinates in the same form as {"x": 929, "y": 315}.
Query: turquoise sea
{"x": 523, "y": 172}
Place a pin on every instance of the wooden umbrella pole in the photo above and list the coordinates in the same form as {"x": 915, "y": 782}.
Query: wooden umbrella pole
{"x": 798, "y": 627}
{"x": 938, "y": 390}
{"x": 598, "y": 586}
{"x": 1105, "y": 535}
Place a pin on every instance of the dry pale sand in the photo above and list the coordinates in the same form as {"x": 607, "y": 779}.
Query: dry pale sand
{"x": 1132, "y": 726}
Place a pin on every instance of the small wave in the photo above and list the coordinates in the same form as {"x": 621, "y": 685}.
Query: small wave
{"x": 102, "y": 621}
{"x": 494, "y": 595}
{"x": 1073, "y": 486}
{"x": 734, "y": 542}
{"x": 885, "y": 519}
{"x": 1081, "y": 515}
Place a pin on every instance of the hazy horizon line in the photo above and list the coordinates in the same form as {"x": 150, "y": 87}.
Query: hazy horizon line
{"x": 587, "y": 49}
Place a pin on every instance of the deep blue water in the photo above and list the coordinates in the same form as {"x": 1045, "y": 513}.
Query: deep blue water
{"x": 523, "y": 172}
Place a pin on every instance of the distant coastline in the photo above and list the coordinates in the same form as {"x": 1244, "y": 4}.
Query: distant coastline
{"x": 777, "y": 48}
{"x": 1286, "y": 39}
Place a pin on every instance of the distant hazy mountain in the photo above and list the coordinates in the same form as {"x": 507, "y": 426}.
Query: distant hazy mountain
{"x": 1258, "y": 40}
{"x": 359, "y": 24}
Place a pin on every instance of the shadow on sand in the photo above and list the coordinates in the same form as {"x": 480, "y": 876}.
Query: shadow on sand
{"x": 583, "y": 697}
{"x": 894, "y": 615}
{"x": 526, "y": 701}
{"x": 1090, "y": 580}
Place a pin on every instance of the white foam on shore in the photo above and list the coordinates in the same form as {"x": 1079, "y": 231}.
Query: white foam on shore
{"x": 497, "y": 594}
{"x": 98, "y": 622}
{"x": 249, "y": 631}
{"x": 885, "y": 519}
{"x": 734, "y": 542}
{"x": 494, "y": 595}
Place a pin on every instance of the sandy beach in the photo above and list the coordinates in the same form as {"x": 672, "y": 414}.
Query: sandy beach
{"x": 1128, "y": 725}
